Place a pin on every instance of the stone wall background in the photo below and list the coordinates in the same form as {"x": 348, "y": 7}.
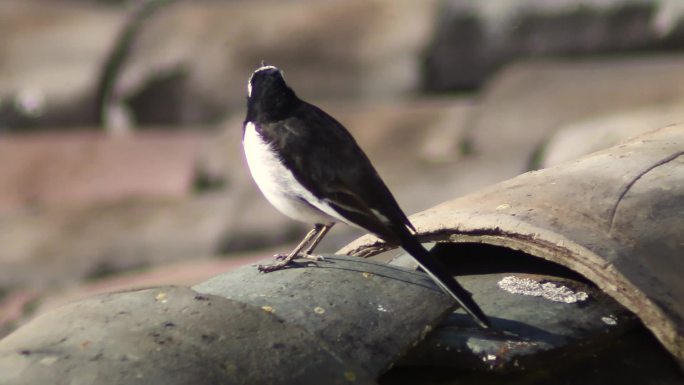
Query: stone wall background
{"x": 120, "y": 121}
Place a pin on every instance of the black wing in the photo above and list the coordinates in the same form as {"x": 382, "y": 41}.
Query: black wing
{"x": 326, "y": 160}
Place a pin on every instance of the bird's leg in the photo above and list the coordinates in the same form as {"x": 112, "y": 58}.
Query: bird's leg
{"x": 307, "y": 239}
{"x": 283, "y": 261}
{"x": 315, "y": 241}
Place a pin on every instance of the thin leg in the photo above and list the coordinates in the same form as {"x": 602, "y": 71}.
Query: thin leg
{"x": 307, "y": 239}
{"x": 319, "y": 237}
{"x": 283, "y": 262}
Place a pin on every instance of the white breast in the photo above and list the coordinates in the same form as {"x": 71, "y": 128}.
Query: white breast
{"x": 278, "y": 184}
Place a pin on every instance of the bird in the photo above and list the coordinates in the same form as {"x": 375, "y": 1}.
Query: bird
{"x": 310, "y": 168}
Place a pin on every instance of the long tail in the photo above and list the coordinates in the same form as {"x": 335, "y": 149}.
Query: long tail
{"x": 440, "y": 275}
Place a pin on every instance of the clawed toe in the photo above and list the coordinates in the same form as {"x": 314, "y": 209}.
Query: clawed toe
{"x": 270, "y": 268}
{"x": 285, "y": 261}
{"x": 312, "y": 257}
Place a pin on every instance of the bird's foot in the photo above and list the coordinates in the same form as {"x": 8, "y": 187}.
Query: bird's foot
{"x": 274, "y": 266}
{"x": 284, "y": 261}
{"x": 311, "y": 257}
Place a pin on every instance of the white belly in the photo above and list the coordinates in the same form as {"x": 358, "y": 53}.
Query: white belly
{"x": 278, "y": 184}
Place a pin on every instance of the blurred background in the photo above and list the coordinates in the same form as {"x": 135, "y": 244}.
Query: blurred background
{"x": 120, "y": 121}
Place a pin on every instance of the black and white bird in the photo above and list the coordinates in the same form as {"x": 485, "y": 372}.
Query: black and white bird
{"x": 311, "y": 169}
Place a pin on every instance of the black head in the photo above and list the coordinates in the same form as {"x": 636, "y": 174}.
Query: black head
{"x": 268, "y": 96}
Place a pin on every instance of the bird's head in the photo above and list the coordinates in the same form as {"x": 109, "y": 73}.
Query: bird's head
{"x": 268, "y": 96}
{"x": 265, "y": 79}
